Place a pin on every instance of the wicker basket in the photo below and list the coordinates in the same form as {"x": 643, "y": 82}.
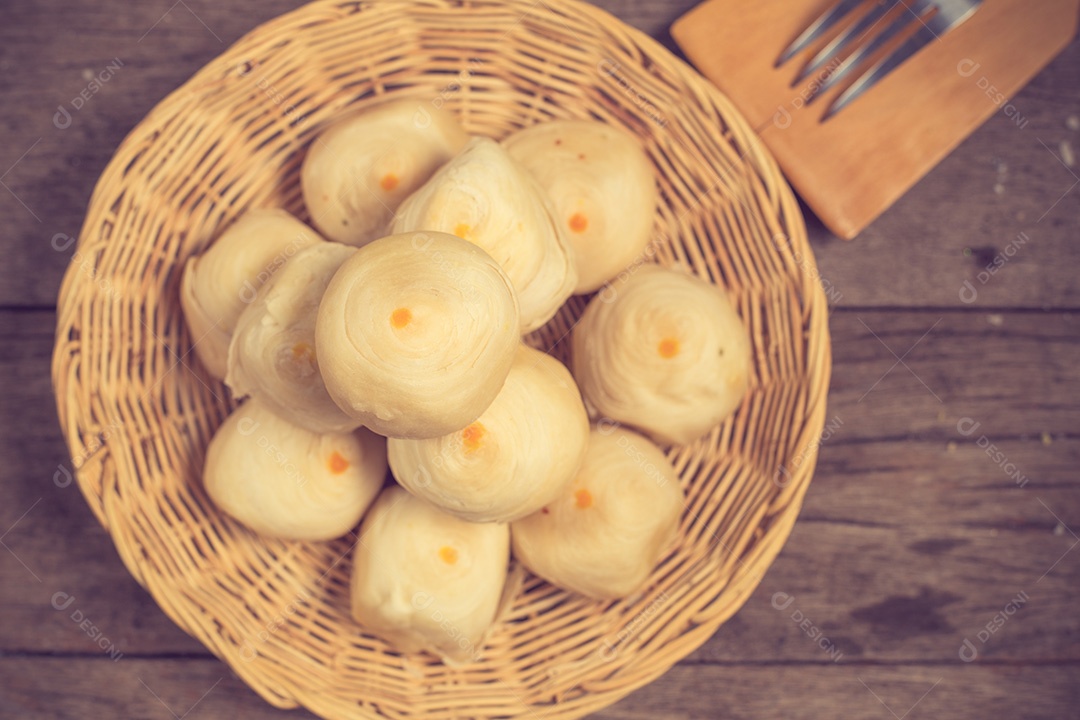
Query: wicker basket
{"x": 233, "y": 137}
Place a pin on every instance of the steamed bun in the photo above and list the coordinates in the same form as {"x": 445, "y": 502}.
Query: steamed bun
{"x": 487, "y": 198}
{"x": 426, "y": 580}
{"x": 287, "y": 482}
{"x": 416, "y": 334}
{"x": 606, "y": 531}
{"x": 272, "y": 354}
{"x": 663, "y": 351}
{"x": 517, "y": 456}
{"x": 358, "y": 171}
{"x": 603, "y": 189}
{"x": 217, "y": 285}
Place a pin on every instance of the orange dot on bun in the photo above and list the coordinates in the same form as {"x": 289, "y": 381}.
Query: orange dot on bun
{"x": 668, "y": 348}
{"x": 337, "y": 463}
{"x": 401, "y": 317}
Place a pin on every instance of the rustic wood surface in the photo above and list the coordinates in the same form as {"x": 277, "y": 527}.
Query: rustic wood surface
{"x": 932, "y": 572}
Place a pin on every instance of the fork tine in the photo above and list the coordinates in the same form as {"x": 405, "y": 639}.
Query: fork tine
{"x": 841, "y": 42}
{"x": 916, "y": 10}
{"x": 817, "y": 28}
{"x": 882, "y": 68}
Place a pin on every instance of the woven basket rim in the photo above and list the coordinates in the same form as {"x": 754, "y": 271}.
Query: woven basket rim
{"x": 78, "y": 289}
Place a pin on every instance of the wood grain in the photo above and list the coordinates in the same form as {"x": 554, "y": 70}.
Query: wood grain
{"x": 202, "y": 689}
{"x": 917, "y": 374}
{"x": 905, "y": 549}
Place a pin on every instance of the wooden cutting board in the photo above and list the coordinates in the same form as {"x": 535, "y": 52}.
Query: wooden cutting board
{"x": 852, "y": 167}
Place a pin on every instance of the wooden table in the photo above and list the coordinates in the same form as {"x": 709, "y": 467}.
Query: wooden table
{"x": 937, "y": 550}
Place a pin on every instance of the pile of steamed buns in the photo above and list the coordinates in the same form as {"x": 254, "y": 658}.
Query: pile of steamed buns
{"x": 392, "y": 337}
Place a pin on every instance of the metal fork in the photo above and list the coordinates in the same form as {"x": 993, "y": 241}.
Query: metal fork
{"x": 937, "y": 17}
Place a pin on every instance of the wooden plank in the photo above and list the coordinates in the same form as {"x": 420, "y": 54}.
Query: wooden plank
{"x": 77, "y": 688}
{"x": 908, "y": 535}
{"x": 860, "y": 692}
{"x": 917, "y": 375}
{"x": 904, "y": 550}
{"x": 73, "y": 689}
{"x": 955, "y": 208}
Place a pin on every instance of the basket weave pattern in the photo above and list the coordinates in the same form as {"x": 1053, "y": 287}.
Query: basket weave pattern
{"x": 233, "y": 137}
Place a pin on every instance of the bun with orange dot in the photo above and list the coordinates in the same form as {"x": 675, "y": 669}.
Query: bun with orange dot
{"x": 664, "y": 351}
{"x": 426, "y": 580}
{"x": 416, "y": 333}
{"x": 487, "y": 198}
{"x": 608, "y": 528}
{"x": 516, "y": 457}
{"x": 603, "y": 189}
{"x": 358, "y": 171}
{"x": 284, "y": 481}
{"x": 272, "y": 354}
{"x": 218, "y": 285}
